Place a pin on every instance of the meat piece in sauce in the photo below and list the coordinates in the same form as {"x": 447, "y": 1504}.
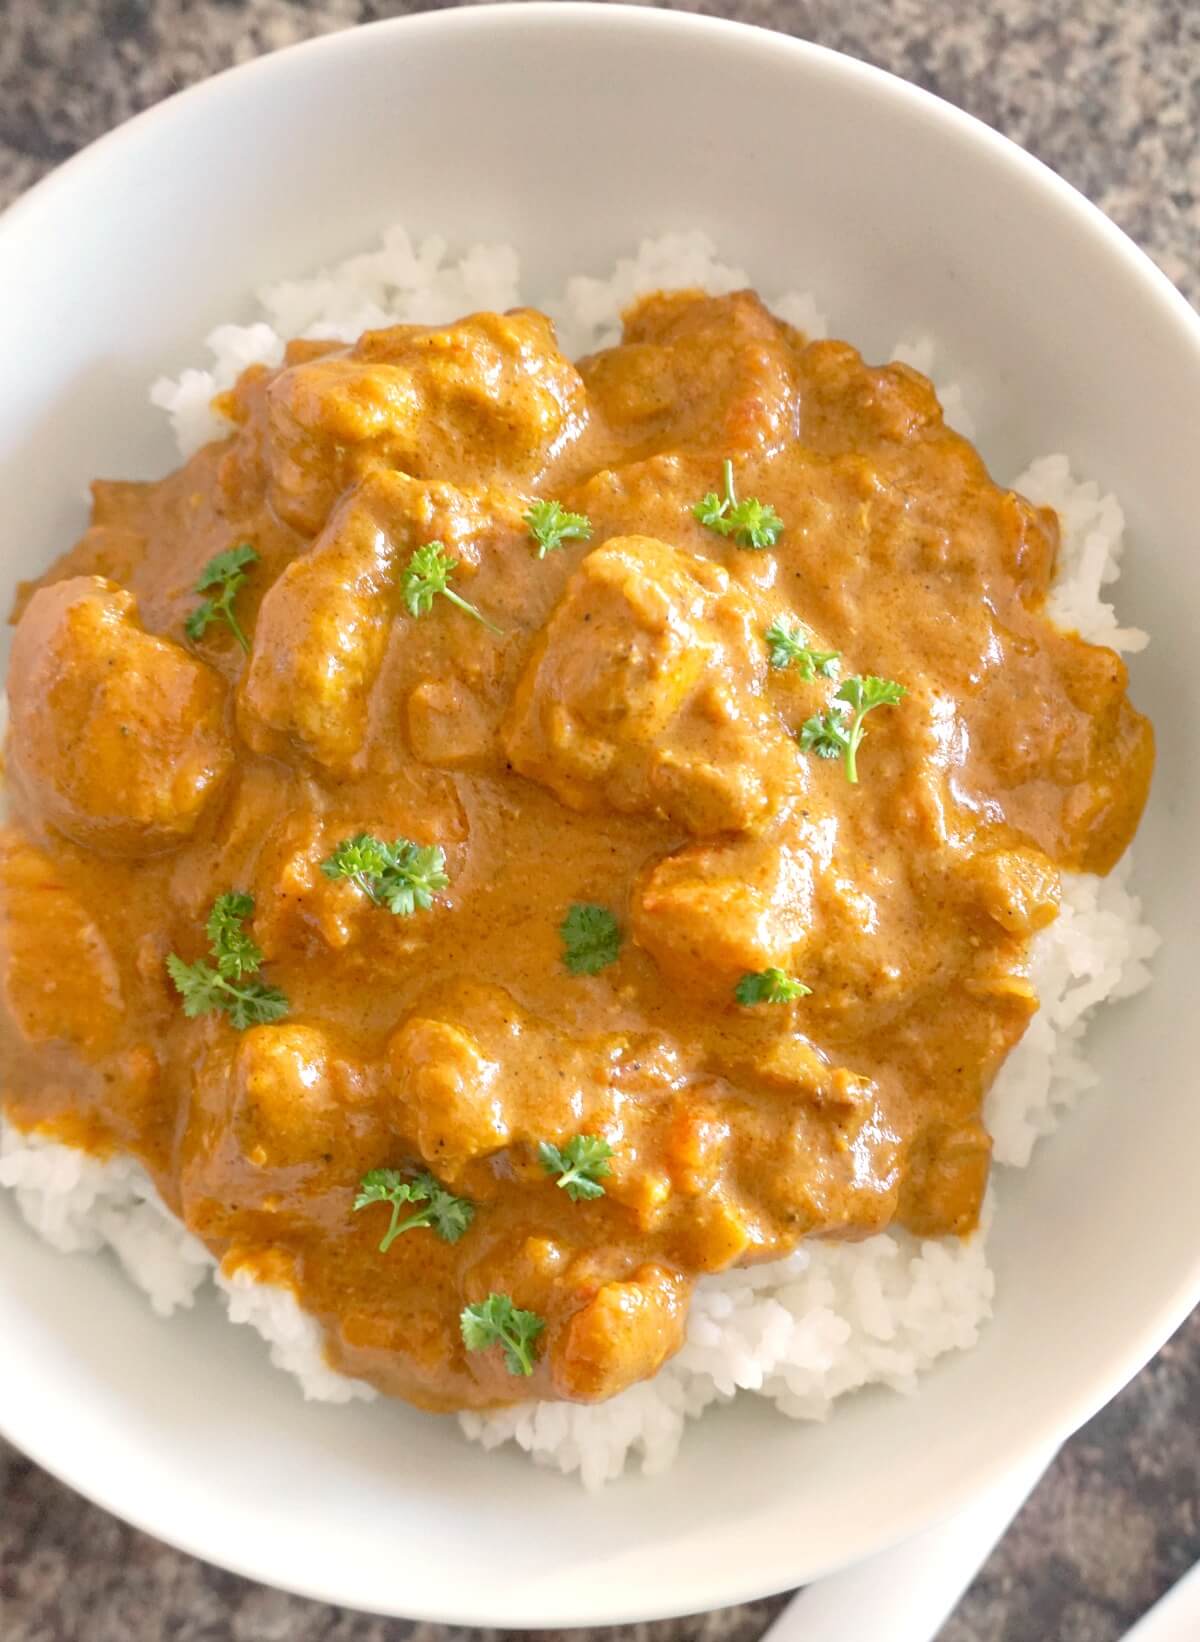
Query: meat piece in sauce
{"x": 646, "y": 694}
{"x": 711, "y": 912}
{"x": 271, "y": 1112}
{"x": 471, "y": 1073}
{"x": 298, "y": 907}
{"x": 489, "y": 393}
{"x": 324, "y": 627}
{"x": 119, "y": 736}
{"x": 61, "y": 982}
{"x": 624, "y": 1333}
{"x": 693, "y": 369}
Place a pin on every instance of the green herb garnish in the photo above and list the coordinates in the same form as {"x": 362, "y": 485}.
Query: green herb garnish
{"x": 839, "y": 731}
{"x": 228, "y": 572}
{"x": 400, "y": 876}
{"x": 751, "y": 523}
{"x": 580, "y": 1165}
{"x": 428, "y": 574}
{"x": 550, "y": 525}
{"x": 448, "y": 1215}
{"x": 497, "y": 1322}
{"x": 769, "y": 986}
{"x": 203, "y": 987}
{"x": 591, "y": 938}
{"x": 788, "y": 647}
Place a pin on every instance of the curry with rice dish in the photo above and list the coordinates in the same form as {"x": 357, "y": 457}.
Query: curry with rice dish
{"x": 499, "y": 839}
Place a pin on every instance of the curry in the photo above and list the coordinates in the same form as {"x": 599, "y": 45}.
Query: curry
{"x": 559, "y": 900}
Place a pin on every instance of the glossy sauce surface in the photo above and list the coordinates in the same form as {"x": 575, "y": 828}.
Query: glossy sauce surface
{"x": 625, "y": 742}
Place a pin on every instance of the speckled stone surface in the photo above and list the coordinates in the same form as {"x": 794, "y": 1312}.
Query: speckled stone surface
{"x": 1107, "y": 92}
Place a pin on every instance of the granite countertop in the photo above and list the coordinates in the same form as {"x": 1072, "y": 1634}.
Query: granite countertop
{"x": 1107, "y": 92}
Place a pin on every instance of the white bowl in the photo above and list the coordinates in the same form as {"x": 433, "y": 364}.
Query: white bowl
{"x": 573, "y": 131}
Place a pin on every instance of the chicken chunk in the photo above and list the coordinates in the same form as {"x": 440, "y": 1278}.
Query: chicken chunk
{"x": 278, "y": 1111}
{"x": 289, "y": 1090}
{"x": 299, "y": 907}
{"x": 60, "y": 979}
{"x": 471, "y": 1073}
{"x": 625, "y": 1333}
{"x": 118, "y": 735}
{"x": 490, "y": 391}
{"x": 947, "y": 1170}
{"x": 324, "y": 626}
{"x": 449, "y": 1094}
{"x": 847, "y": 401}
{"x": 718, "y": 371}
{"x": 710, "y": 912}
{"x": 1019, "y": 889}
{"x": 448, "y": 724}
{"x": 841, "y": 1179}
{"x": 646, "y": 694}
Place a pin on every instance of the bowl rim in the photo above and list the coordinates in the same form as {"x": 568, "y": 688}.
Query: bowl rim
{"x": 509, "y": 13}
{"x": 725, "y": 1586}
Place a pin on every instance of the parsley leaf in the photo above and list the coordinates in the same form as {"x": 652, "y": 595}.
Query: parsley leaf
{"x": 428, "y": 574}
{"x": 788, "y": 647}
{"x": 751, "y": 523}
{"x": 581, "y": 1164}
{"x": 550, "y": 525}
{"x": 497, "y": 1322}
{"x": 839, "y": 731}
{"x": 769, "y": 986}
{"x": 203, "y": 987}
{"x": 825, "y": 734}
{"x": 236, "y": 952}
{"x": 198, "y": 985}
{"x": 591, "y": 938}
{"x": 400, "y": 876}
{"x": 227, "y": 572}
{"x": 449, "y": 1216}
{"x": 254, "y": 1003}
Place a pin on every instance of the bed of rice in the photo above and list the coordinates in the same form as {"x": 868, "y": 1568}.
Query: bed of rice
{"x": 832, "y": 1317}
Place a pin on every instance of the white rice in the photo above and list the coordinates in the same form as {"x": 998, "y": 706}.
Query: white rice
{"x": 832, "y": 1317}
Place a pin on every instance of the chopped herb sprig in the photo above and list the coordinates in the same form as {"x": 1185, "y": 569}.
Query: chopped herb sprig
{"x": 839, "y": 731}
{"x": 228, "y": 573}
{"x": 225, "y": 984}
{"x": 591, "y": 938}
{"x": 497, "y": 1322}
{"x": 432, "y": 1205}
{"x": 789, "y": 647}
{"x": 769, "y": 986}
{"x": 400, "y": 876}
{"x": 427, "y": 575}
{"x": 751, "y": 523}
{"x": 580, "y": 1165}
{"x": 550, "y": 525}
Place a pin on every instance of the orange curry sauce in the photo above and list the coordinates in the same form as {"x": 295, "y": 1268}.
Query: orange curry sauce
{"x": 624, "y": 742}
